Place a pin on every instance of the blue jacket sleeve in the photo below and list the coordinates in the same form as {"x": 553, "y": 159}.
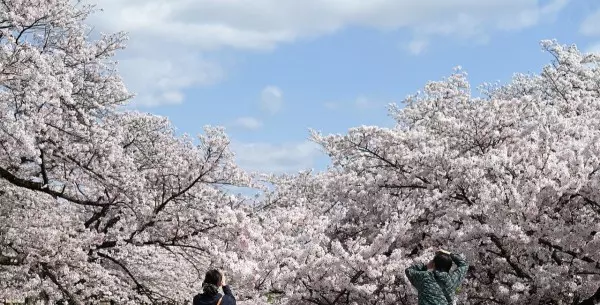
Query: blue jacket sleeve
{"x": 229, "y": 294}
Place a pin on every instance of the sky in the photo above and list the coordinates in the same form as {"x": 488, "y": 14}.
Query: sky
{"x": 271, "y": 70}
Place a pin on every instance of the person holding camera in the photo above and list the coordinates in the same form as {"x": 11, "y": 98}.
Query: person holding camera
{"x": 210, "y": 290}
{"x": 434, "y": 282}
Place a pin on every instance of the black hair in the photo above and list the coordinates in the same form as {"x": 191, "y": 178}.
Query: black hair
{"x": 213, "y": 277}
{"x": 442, "y": 261}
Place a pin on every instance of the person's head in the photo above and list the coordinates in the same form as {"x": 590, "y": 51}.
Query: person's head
{"x": 442, "y": 262}
{"x": 213, "y": 277}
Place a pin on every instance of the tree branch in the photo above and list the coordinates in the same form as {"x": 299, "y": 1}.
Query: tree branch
{"x": 39, "y": 187}
{"x": 138, "y": 285}
{"x": 72, "y": 298}
{"x": 503, "y": 253}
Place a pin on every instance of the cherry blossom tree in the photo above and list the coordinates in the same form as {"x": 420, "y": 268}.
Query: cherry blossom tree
{"x": 509, "y": 179}
{"x": 99, "y": 203}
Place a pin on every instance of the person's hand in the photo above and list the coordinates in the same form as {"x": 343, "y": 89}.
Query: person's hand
{"x": 223, "y": 279}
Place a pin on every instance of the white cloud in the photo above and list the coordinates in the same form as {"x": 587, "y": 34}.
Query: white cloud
{"x": 417, "y": 46}
{"x": 262, "y": 24}
{"x": 271, "y": 99}
{"x": 591, "y": 25}
{"x": 533, "y": 16}
{"x": 273, "y": 158}
{"x": 173, "y": 97}
{"x": 169, "y": 36}
{"x": 248, "y": 123}
{"x": 161, "y": 80}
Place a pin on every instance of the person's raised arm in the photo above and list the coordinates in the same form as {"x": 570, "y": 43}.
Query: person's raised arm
{"x": 227, "y": 290}
{"x": 458, "y": 275}
{"x": 415, "y": 274}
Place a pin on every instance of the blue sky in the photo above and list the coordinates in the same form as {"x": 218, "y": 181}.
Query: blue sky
{"x": 268, "y": 70}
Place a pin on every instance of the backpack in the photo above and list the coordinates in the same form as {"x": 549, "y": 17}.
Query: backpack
{"x": 221, "y": 299}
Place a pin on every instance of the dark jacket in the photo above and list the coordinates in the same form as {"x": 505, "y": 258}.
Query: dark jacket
{"x": 212, "y": 299}
{"x": 433, "y": 286}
